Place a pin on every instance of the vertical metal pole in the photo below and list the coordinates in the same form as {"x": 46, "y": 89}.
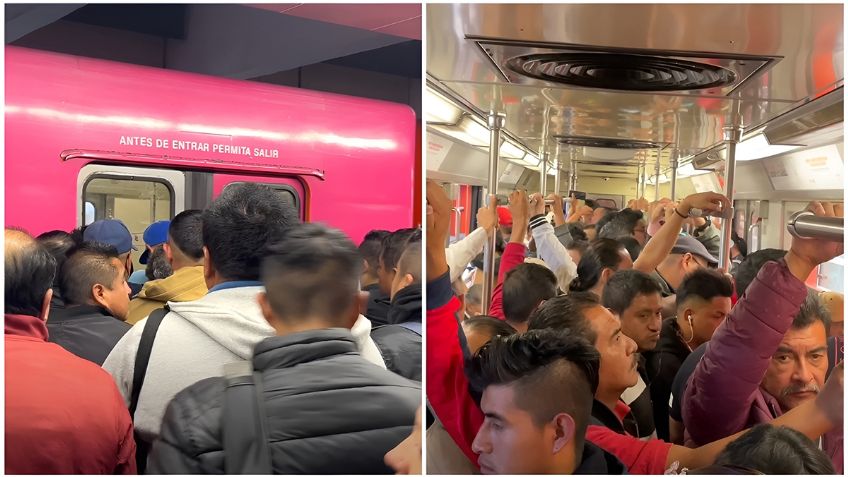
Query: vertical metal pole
{"x": 674, "y": 175}
{"x": 543, "y": 153}
{"x": 657, "y": 177}
{"x": 644, "y": 176}
{"x": 732, "y": 135}
{"x": 557, "y": 172}
{"x": 496, "y": 123}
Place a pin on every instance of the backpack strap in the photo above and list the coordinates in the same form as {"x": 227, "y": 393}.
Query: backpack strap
{"x": 413, "y": 326}
{"x": 142, "y": 358}
{"x": 244, "y": 422}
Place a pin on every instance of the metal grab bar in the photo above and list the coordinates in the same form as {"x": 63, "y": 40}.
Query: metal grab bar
{"x": 805, "y": 224}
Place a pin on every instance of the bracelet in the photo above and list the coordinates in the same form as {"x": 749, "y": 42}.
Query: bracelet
{"x": 678, "y": 213}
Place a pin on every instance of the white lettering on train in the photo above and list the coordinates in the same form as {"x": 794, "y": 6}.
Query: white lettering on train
{"x": 181, "y": 145}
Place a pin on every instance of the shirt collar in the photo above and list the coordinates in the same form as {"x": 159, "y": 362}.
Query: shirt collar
{"x": 235, "y": 284}
{"x": 24, "y": 325}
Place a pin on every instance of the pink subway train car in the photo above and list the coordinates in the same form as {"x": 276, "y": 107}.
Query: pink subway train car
{"x": 89, "y": 139}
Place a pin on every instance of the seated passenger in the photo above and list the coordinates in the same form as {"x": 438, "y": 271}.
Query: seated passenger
{"x": 318, "y": 392}
{"x": 115, "y": 233}
{"x": 770, "y": 450}
{"x": 770, "y": 354}
{"x": 184, "y": 251}
{"x": 155, "y": 235}
{"x": 369, "y": 248}
{"x": 703, "y": 301}
{"x": 196, "y": 338}
{"x": 63, "y": 414}
{"x": 96, "y": 303}
{"x": 634, "y": 298}
{"x": 400, "y": 340}
{"x": 537, "y": 390}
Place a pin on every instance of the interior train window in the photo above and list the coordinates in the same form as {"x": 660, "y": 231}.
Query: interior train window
{"x": 136, "y": 201}
{"x": 286, "y": 192}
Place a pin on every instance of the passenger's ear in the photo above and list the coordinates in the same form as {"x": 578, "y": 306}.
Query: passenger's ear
{"x": 359, "y": 308}
{"x": 169, "y": 254}
{"x": 606, "y": 273}
{"x": 262, "y": 298}
{"x": 208, "y": 269}
{"x": 564, "y": 429}
{"x": 98, "y": 292}
{"x": 45, "y": 304}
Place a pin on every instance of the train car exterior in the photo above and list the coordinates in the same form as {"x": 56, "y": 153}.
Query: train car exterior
{"x": 89, "y": 139}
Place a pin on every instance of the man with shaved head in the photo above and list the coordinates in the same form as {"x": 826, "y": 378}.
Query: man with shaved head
{"x": 64, "y": 414}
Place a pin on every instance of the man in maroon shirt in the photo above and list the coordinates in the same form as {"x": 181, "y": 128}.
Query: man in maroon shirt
{"x": 64, "y": 414}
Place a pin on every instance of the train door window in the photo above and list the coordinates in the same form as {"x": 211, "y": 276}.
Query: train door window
{"x": 136, "y": 196}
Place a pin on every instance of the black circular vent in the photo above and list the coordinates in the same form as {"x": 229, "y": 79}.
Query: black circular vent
{"x": 621, "y": 72}
{"x": 604, "y": 142}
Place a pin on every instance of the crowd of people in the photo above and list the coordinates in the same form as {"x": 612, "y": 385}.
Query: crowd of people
{"x": 612, "y": 344}
{"x": 251, "y": 343}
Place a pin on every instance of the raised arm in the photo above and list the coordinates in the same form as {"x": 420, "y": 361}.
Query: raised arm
{"x": 550, "y": 249}
{"x": 720, "y": 391}
{"x": 447, "y": 386}
{"x": 461, "y": 252}
{"x": 660, "y": 245}
{"x": 515, "y": 250}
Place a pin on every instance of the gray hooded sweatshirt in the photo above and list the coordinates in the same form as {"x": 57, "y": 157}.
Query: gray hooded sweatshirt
{"x": 194, "y": 342}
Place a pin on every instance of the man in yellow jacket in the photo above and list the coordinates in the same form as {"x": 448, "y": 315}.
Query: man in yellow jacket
{"x": 184, "y": 250}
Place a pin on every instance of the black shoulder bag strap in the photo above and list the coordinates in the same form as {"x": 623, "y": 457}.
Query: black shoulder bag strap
{"x": 142, "y": 358}
{"x": 243, "y": 422}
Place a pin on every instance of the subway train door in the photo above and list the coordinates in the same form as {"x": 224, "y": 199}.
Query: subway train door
{"x": 289, "y": 189}
{"x": 138, "y": 196}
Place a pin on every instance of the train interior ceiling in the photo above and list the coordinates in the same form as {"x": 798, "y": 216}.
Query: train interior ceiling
{"x": 617, "y": 102}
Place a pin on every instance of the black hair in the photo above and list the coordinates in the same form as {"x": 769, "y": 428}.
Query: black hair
{"x": 524, "y": 287}
{"x": 57, "y": 243}
{"x": 579, "y": 245}
{"x": 621, "y": 224}
{"x": 566, "y": 312}
{"x": 813, "y": 309}
{"x": 87, "y": 265}
{"x": 312, "y": 271}
{"x": 393, "y": 244}
{"x": 239, "y": 226}
{"x": 157, "y": 264}
{"x": 551, "y": 372}
{"x": 369, "y": 248}
{"x": 591, "y": 203}
{"x": 186, "y": 233}
{"x": 576, "y": 232}
{"x": 776, "y": 450}
{"x": 704, "y": 284}
{"x": 602, "y": 253}
{"x": 626, "y": 285}
{"x": 631, "y": 245}
{"x": 29, "y": 273}
{"x": 751, "y": 265}
{"x": 492, "y": 326}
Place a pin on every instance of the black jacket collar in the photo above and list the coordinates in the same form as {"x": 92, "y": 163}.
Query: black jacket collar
{"x": 406, "y": 305}
{"x": 603, "y": 416}
{"x": 75, "y": 312}
{"x": 297, "y": 348}
{"x": 598, "y": 461}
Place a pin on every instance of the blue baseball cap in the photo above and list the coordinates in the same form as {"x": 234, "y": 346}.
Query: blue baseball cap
{"x": 110, "y": 231}
{"x": 155, "y": 234}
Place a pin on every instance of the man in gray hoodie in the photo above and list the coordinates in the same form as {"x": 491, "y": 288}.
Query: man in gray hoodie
{"x": 197, "y": 338}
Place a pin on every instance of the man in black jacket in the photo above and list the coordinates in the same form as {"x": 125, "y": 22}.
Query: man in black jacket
{"x": 328, "y": 410}
{"x": 96, "y": 296}
{"x": 400, "y": 340}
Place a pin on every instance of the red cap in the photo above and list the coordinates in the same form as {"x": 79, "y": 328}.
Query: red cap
{"x": 504, "y": 216}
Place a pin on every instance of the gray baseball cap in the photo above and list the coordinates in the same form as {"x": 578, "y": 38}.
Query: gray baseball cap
{"x": 689, "y": 244}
